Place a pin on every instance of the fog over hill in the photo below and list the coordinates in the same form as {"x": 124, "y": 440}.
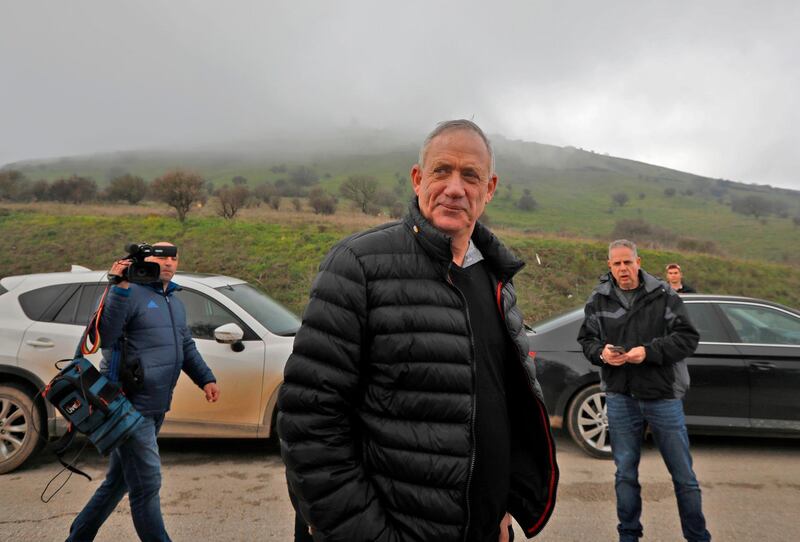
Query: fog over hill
{"x": 708, "y": 87}
{"x": 525, "y": 161}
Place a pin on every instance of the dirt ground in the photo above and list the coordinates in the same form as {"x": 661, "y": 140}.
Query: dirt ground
{"x": 234, "y": 490}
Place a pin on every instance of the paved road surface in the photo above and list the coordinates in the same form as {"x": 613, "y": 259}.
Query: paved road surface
{"x": 235, "y": 491}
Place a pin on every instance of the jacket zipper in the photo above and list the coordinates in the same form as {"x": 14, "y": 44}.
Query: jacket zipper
{"x": 174, "y": 334}
{"x": 473, "y": 452}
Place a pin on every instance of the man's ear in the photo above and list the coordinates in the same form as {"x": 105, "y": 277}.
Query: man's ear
{"x": 416, "y": 178}
{"x": 492, "y": 187}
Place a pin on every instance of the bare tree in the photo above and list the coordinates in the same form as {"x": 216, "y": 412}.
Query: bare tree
{"x": 179, "y": 189}
{"x": 230, "y": 199}
{"x": 361, "y": 189}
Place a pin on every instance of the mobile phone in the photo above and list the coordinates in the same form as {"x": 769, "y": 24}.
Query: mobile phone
{"x": 617, "y": 349}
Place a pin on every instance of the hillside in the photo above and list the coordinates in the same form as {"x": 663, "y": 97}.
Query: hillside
{"x": 573, "y": 188}
{"x": 280, "y": 251}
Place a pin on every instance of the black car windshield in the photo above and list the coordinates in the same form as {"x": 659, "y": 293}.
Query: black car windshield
{"x": 273, "y": 316}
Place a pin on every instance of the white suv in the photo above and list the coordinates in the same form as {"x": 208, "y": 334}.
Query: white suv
{"x": 42, "y": 318}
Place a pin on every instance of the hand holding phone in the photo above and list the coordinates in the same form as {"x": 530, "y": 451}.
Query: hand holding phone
{"x": 617, "y": 349}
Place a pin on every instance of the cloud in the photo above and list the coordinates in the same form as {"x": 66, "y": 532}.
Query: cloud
{"x": 704, "y": 87}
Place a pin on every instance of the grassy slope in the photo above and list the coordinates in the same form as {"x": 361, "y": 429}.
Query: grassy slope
{"x": 281, "y": 252}
{"x": 572, "y": 186}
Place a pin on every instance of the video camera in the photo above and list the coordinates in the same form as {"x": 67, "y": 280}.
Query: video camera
{"x": 143, "y": 272}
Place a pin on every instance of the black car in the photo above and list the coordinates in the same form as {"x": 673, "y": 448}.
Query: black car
{"x": 745, "y": 374}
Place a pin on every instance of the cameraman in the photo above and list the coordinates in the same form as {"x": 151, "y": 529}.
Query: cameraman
{"x": 143, "y": 325}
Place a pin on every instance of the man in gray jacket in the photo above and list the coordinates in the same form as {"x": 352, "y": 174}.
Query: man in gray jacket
{"x": 637, "y": 330}
{"x": 153, "y": 322}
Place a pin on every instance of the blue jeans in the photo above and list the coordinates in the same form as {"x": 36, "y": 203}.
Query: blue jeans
{"x": 626, "y": 417}
{"x": 135, "y": 468}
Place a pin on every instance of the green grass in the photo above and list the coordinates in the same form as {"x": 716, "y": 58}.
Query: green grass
{"x": 573, "y": 188}
{"x": 283, "y": 258}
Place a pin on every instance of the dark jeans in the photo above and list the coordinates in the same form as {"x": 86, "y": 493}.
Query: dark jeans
{"x": 134, "y": 468}
{"x": 626, "y": 417}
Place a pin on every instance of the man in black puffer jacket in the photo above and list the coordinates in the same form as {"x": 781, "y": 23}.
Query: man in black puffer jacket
{"x": 637, "y": 330}
{"x": 410, "y": 409}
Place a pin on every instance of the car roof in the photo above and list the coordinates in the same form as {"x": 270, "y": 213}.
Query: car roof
{"x": 82, "y": 274}
{"x": 577, "y": 312}
{"x": 736, "y": 299}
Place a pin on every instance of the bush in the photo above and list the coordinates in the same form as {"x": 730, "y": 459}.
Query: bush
{"x": 697, "y": 245}
{"x": 321, "y": 202}
{"x": 669, "y": 192}
{"x": 751, "y": 205}
{"x": 385, "y": 198}
{"x": 640, "y": 230}
{"x": 264, "y": 192}
{"x": 75, "y": 190}
{"x": 620, "y": 198}
{"x": 127, "y": 188}
{"x": 527, "y": 202}
{"x": 303, "y": 176}
{"x": 397, "y": 210}
{"x": 12, "y": 184}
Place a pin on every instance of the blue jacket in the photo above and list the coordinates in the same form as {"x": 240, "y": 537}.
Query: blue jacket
{"x": 155, "y": 323}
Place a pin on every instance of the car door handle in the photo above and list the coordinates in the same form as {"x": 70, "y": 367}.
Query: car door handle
{"x": 42, "y": 343}
{"x": 762, "y": 365}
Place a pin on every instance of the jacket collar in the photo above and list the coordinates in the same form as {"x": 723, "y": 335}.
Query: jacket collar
{"x": 437, "y": 244}
{"x": 607, "y": 283}
{"x": 158, "y": 286}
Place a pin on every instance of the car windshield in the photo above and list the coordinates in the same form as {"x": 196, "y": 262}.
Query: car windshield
{"x": 273, "y": 316}
{"x": 558, "y": 321}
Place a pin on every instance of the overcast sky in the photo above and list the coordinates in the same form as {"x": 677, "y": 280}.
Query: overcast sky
{"x": 708, "y": 87}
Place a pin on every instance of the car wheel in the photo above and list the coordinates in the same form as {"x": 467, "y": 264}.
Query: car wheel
{"x": 20, "y": 426}
{"x": 587, "y": 422}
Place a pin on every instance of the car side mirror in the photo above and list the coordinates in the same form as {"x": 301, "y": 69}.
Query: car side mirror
{"x": 230, "y": 334}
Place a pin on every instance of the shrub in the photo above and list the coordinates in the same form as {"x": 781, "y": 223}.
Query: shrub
{"x": 620, "y": 198}
{"x": 527, "y": 202}
{"x": 128, "y": 188}
{"x": 321, "y": 202}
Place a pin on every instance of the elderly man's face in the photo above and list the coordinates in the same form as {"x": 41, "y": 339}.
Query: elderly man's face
{"x": 455, "y": 182}
{"x": 624, "y": 267}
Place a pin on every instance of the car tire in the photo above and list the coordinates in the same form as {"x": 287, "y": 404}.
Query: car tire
{"x": 20, "y": 427}
{"x": 587, "y": 422}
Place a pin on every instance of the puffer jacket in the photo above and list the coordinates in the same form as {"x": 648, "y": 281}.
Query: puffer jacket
{"x": 377, "y": 406}
{"x": 155, "y": 324}
{"x": 658, "y": 321}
